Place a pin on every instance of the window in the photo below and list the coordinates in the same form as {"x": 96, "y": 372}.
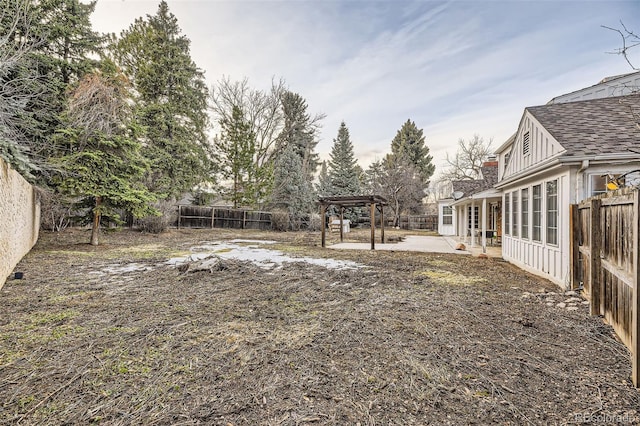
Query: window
{"x": 514, "y": 213}
{"x": 525, "y": 213}
{"x": 599, "y": 183}
{"x": 506, "y": 160}
{"x": 447, "y": 215}
{"x": 537, "y": 212}
{"x": 507, "y": 214}
{"x": 526, "y": 144}
{"x": 552, "y": 212}
{"x": 475, "y": 217}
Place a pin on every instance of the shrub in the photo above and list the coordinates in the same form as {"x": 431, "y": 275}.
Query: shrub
{"x": 55, "y": 210}
{"x": 280, "y": 220}
{"x": 158, "y": 224}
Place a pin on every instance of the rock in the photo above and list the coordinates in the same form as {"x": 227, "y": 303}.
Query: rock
{"x": 570, "y": 293}
{"x": 573, "y": 299}
{"x": 550, "y": 300}
{"x": 586, "y": 302}
{"x": 483, "y": 256}
{"x": 561, "y": 305}
{"x": 550, "y": 303}
{"x": 572, "y": 308}
{"x": 461, "y": 246}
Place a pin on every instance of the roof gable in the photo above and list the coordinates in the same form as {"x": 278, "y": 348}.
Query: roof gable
{"x": 532, "y": 145}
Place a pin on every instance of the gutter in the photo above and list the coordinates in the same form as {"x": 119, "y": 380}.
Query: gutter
{"x": 583, "y": 161}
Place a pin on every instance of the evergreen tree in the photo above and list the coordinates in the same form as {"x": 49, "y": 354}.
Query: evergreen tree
{"x": 171, "y": 103}
{"x": 236, "y": 146}
{"x": 104, "y": 165}
{"x": 343, "y": 170}
{"x": 299, "y": 132}
{"x": 323, "y": 188}
{"x": 292, "y": 190}
{"x": 409, "y": 143}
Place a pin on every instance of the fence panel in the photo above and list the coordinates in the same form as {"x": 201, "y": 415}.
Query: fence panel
{"x": 608, "y": 242}
{"x": 213, "y": 217}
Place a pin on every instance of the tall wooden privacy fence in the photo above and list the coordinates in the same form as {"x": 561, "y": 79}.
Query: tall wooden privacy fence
{"x": 605, "y": 259}
{"x": 222, "y": 217}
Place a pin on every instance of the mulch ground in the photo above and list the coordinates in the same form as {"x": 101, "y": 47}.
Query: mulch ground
{"x": 113, "y": 335}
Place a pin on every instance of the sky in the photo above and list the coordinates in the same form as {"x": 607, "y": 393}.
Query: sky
{"x": 455, "y": 68}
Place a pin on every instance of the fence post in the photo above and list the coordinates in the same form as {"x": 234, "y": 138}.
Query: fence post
{"x": 595, "y": 239}
{"x": 244, "y": 219}
{"x": 213, "y": 215}
{"x": 574, "y": 248}
{"x": 179, "y": 211}
{"x": 635, "y": 301}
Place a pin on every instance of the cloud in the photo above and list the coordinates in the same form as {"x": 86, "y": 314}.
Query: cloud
{"x": 455, "y": 68}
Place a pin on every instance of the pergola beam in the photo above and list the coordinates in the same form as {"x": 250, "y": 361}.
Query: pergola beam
{"x": 374, "y": 201}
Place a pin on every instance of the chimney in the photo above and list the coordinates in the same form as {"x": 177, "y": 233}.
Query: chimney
{"x": 491, "y": 161}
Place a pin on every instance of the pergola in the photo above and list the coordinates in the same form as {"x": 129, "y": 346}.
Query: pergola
{"x": 374, "y": 201}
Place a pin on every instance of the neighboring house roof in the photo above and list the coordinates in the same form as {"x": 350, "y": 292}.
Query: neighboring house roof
{"x": 617, "y": 85}
{"x": 593, "y": 127}
{"x": 489, "y": 178}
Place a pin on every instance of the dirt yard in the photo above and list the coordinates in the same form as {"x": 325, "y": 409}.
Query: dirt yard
{"x": 116, "y": 335}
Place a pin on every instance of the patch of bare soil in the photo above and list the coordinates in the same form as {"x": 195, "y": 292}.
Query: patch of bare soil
{"x": 113, "y": 335}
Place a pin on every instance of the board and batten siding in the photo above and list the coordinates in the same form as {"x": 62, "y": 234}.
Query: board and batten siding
{"x": 542, "y": 258}
{"x": 533, "y": 145}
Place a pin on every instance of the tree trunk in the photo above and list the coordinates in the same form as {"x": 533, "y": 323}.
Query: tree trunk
{"x": 96, "y": 222}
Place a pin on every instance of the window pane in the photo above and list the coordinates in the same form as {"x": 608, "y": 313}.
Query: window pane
{"x": 525, "y": 213}
{"x": 552, "y": 212}
{"x": 514, "y": 213}
{"x": 507, "y": 214}
{"x": 537, "y": 212}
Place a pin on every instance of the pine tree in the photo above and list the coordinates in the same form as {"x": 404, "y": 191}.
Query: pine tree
{"x": 104, "y": 166}
{"x": 343, "y": 170}
{"x": 323, "y": 188}
{"x": 409, "y": 142}
{"x": 236, "y": 146}
{"x": 299, "y": 132}
{"x": 171, "y": 103}
{"x": 292, "y": 190}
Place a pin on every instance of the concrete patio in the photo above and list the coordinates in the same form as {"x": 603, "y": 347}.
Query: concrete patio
{"x": 426, "y": 244}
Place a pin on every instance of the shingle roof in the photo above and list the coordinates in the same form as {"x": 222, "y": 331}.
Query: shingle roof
{"x": 470, "y": 187}
{"x": 593, "y": 127}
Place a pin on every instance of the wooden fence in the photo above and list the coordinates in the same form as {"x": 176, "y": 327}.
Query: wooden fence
{"x": 427, "y": 221}
{"x": 222, "y": 217}
{"x": 605, "y": 260}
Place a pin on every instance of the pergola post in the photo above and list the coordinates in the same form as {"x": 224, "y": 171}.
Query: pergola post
{"x": 484, "y": 225}
{"x": 373, "y": 226}
{"x": 382, "y": 223}
{"x": 323, "y": 212}
{"x": 341, "y": 223}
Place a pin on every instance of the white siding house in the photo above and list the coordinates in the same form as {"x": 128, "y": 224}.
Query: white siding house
{"x": 561, "y": 154}
{"x": 446, "y": 217}
{"x": 619, "y": 85}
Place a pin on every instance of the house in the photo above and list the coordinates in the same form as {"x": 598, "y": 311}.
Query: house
{"x": 472, "y": 213}
{"x": 561, "y": 154}
{"x": 619, "y": 85}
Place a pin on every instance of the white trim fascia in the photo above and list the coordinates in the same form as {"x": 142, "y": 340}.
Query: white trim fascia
{"x": 544, "y": 167}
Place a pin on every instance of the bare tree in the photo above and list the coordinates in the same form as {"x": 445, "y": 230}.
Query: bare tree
{"x": 629, "y": 40}
{"x": 262, "y": 111}
{"x": 468, "y": 160}
{"x": 19, "y": 83}
{"x": 398, "y": 180}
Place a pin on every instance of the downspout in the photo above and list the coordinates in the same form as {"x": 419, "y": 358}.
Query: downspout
{"x": 580, "y": 178}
